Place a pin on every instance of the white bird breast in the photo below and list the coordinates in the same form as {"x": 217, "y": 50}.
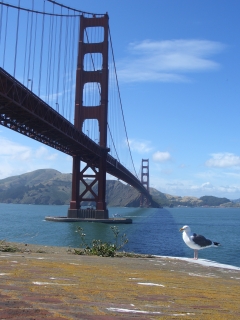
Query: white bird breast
{"x": 189, "y": 242}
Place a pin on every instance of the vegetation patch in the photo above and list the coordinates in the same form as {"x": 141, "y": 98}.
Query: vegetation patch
{"x": 99, "y": 248}
{"x": 7, "y": 248}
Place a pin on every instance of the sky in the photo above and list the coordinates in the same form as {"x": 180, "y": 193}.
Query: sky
{"x": 179, "y": 75}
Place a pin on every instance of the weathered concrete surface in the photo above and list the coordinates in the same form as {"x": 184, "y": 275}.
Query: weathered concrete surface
{"x": 65, "y": 286}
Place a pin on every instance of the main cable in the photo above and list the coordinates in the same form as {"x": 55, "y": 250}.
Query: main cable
{"x": 72, "y": 9}
{"x": 51, "y": 14}
{"x": 121, "y": 102}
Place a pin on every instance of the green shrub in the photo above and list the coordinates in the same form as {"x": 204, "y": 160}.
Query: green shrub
{"x": 99, "y": 248}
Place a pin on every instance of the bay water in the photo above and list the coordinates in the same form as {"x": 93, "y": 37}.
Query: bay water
{"x": 153, "y": 231}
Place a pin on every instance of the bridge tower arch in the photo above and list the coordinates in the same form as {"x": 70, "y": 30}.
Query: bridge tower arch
{"x": 82, "y": 190}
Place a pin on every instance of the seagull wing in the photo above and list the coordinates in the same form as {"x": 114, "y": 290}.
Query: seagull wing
{"x": 201, "y": 240}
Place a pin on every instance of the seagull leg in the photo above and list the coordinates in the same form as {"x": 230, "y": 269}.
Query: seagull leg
{"x": 195, "y": 254}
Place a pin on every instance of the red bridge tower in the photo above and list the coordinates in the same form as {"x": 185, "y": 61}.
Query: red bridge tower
{"x": 144, "y": 201}
{"x": 84, "y": 112}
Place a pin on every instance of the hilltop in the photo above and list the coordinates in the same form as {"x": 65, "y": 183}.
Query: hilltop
{"x": 49, "y": 186}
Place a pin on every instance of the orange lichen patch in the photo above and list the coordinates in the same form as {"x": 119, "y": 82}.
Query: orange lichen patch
{"x": 66, "y": 286}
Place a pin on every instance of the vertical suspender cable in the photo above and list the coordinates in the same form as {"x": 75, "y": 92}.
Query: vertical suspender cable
{"x": 71, "y": 66}
{"x": 64, "y": 102}
{"x": 26, "y": 46}
{"x": 41, "y": 51}
{"x": 67, "y": 68}
{"x": 49, "y": 67}
{"x": 34, "y": 48}
{"x": 16, "y": 43}
{"x": 30, "y": 46}
{"x": 59, "y": 50}
{"x": 1, "y": 22}
{"x": 54, "y": 55}
{"x": 5, "y": 40}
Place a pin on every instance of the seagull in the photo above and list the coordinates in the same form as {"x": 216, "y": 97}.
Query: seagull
{"x": 196, "y": 241}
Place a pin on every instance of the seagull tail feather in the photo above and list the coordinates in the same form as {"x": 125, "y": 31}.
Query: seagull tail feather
{"x": 216, "y": 244}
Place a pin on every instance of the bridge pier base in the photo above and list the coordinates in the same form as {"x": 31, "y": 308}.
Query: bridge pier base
{"x": 102, "y": 214}
{"x": 88, "y": 213}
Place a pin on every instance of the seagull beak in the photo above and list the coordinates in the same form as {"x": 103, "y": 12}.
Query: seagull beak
{"x": 181, "y": 230}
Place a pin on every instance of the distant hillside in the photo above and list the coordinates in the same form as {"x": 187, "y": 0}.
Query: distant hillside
{"x": 48, "y": 186}
{"x": 236, "y": 201}
{"x": 213, "y": 201}
{"x": 45, "y": 186}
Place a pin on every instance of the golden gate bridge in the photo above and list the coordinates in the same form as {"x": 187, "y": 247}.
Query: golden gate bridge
{"x": 59, "y": 86}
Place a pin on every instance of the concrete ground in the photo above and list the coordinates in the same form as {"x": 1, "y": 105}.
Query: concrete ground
{"x": 52, "y": 283}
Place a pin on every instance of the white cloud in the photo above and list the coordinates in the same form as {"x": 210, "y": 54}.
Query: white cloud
{"x": 221, "y": 160}
{"x": 208, "y": 188}
{"x": 161, "y": 156}
{"x": 10, "y": 150}
{"x": 169, "y": 60}
{"x": 17, "y": 159}
{"x": 206, "y": 185}
{"x": 140, "y": 146}
{"x": 42, "y": 152}
{"x": 191, "y": 188}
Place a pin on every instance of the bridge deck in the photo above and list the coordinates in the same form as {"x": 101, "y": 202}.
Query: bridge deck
{"x": 24, "y": 112}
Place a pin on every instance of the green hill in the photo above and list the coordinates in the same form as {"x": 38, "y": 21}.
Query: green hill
{"x": 48, "y": 186}
{"x": 45, "y": 186}
{"x": 213, "y": 201}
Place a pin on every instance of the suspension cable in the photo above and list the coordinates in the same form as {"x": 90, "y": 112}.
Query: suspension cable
{"x": 65, "y": 65}
{"x": 1, "y": 22}
{"x": 35, "y": 11}
{"x": 115, "y": 149}
{"x": 113, "y": 143}
{"x": 51, "y": 14}
{"x": 41, "y": 53}
{"x": 59, "y": 50}
{"x": 5, "y": 39}
{"x": 16, "y": 44}
{"x": 71, "y": 67}
{"x": 121, "y": 102}
{"x": 72, "y": 9}
{"x": 34, "y": 50}
{"x": 25, "y": 55}
{"x": 30, "y": 48}
{"x": 52, "y": 41}
{"x": 54, "y": 59}
{"x": 49, "y": 59}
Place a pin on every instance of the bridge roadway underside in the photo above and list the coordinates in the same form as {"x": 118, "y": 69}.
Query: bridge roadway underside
{"x": 24, "y": 112}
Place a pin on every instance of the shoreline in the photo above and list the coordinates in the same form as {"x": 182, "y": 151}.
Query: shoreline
{"x": 45, "y": 282}
{"x": 19, "y": 247}
{"x": 45, "y": 249}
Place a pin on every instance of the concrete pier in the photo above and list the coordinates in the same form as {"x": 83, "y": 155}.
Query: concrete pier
{"x": 109, "y": 220}
{"x": 89, "y": 215}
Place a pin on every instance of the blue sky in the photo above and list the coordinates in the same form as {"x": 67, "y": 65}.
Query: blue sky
{"x": 179, "y": 76}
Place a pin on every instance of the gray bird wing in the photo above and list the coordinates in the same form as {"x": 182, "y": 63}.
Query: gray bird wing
{"x": 201, "y": 240}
